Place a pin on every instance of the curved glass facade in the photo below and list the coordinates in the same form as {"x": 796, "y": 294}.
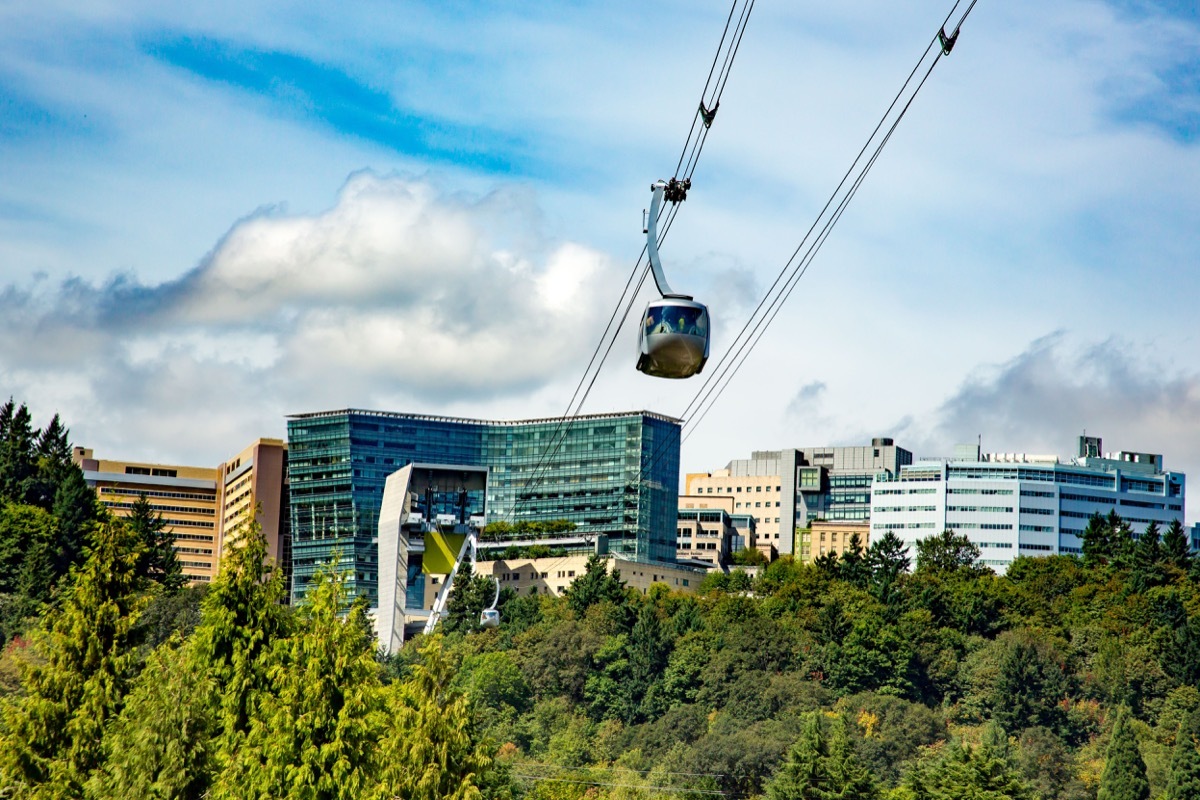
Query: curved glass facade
{"x": 612, "y": 474}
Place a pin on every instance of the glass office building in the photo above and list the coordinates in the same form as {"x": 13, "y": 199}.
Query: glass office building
{"x": 612, "y": 474}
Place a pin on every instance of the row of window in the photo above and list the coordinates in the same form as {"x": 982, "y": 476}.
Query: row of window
{"x": 984, "y": 509}
{"x": 979, "y": 491}
{"x": 983, "y": 526}
{"x": 722, "y": 489}
{"x": 208, "y": 498}
{"x": 204, "y": 512}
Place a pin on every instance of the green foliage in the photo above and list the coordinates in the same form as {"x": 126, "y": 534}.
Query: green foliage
{"x": 313, "y": 732}
{"x": 241, "y": 619}
{"x": 1184, "y": 780}
{"x": 160, "y": 744}
{"x": 749, "y": 557}
{"x": 469, "y": 596}
{"x": 159, "y": 563}
{"x": 18, "y": 459}
{"x": 28, "y": 537}
{"x": 959, "y": 771}
{"x": 50, "y": 743}
{"x": 1107, "y": 541}
{"x": 1030, "y": 686}
{"x": 1175, "y": 548}
{"x": 595, "y": 585}
{"x": 428, "y": 752}
{"x": 947, "y": 552}
{"x": 887, "y": 562}
{"x": 1124, "y": 776}
{"x": 821, "y": 765}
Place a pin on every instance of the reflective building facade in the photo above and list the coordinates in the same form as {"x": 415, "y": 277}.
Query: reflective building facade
{"x": 616, "y": 474}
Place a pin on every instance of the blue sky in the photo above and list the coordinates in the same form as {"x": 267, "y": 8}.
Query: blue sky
{"x": 215, "y": 215}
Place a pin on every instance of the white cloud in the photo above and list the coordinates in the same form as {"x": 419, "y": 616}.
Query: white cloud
{"x": 397, "y": 290}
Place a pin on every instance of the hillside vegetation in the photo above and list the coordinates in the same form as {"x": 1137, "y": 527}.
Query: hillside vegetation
{"x": 883, "y": 674}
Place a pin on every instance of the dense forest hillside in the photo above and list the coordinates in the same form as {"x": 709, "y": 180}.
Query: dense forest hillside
{"x": 885, "y": 674}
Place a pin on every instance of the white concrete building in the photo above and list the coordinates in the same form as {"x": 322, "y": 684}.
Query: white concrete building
{"x": 1012, "y": 504}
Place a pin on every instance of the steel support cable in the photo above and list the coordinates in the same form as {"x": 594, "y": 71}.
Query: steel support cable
{"x": 564, "y": 424}
{"x": 722, "y": 376}
{"x": 722, "y": 77}
{"x": 797, "y": 275}
{"x": 525, "y": 765}
{"x": 717, "y": 372}
{"x": 707, "y": 83}
{"x": 717, "y": 792}
{"x": 718, "y": 376}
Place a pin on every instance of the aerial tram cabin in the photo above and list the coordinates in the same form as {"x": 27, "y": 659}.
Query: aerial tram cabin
{"x": 673, "y": 340}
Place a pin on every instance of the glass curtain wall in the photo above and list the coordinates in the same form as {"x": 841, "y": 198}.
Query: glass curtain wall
{"x": 612, "y": 474}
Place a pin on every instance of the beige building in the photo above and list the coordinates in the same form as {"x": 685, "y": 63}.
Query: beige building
{"x": 821, "y": 538}
{"x": 754, "y": 495}
{"x": 705, "y": 531}
{"x": 255, "y": 478}
{"x": 186, "y": 497}
{"x": 553, "y": 575}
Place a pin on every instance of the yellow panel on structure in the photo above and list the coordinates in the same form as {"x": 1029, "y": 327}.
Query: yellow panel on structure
{"x": 441, "y": 551}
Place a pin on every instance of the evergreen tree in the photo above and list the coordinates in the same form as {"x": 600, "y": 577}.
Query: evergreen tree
{"x": 429, "y": 751}
{"x": 1183, "y": 781}
{"x": 50, "y": 746}
{"x": 52, "y": 455}
{"x": 160, "y": 563}
{"x": 594, "y": 586}
{"x": 469, "y": 596}
{"x": 1029, "y": 689}
{"x": 313, "y": 735}
{"x": 821, "y": 765}
{"x": 76, "y": 508}
{"x": 854, "y": 569}
{"x": 1124, "y": 776}
{"x": 648, "y": 650}
{"x": 1107, "y": 540}
{"x": 1145, "y": 563}
{"x": 160, "y": 744}
{"x": 887, "y": 560}
{"x": 27, "y": 540}
{"x": 1175, "y": 548}
{"x": 827, "y": 566}
{"x": 963, "y": 772}
{"x": 241, "y": 618}
{"x": 17, "y": 459}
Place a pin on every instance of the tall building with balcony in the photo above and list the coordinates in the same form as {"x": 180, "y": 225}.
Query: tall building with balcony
{"x": 186, "y": 497}
{"x": 786, "y": 490}
{"x": 612, "y": 474}
{"x": 1012, "y": 504}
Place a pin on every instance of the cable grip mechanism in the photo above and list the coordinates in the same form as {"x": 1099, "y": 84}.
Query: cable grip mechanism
{"x": 947, "y": 42}
{"x": 676, "y": 190}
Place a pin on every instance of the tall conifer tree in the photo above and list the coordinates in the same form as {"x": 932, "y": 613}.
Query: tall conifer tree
{"x": 1183, "y": 781}
{"x": 1124, "y": 776}
{"x": 429, "y": 751}
{"x": 52, "y": 734}
{"x": 313, "y": 735}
